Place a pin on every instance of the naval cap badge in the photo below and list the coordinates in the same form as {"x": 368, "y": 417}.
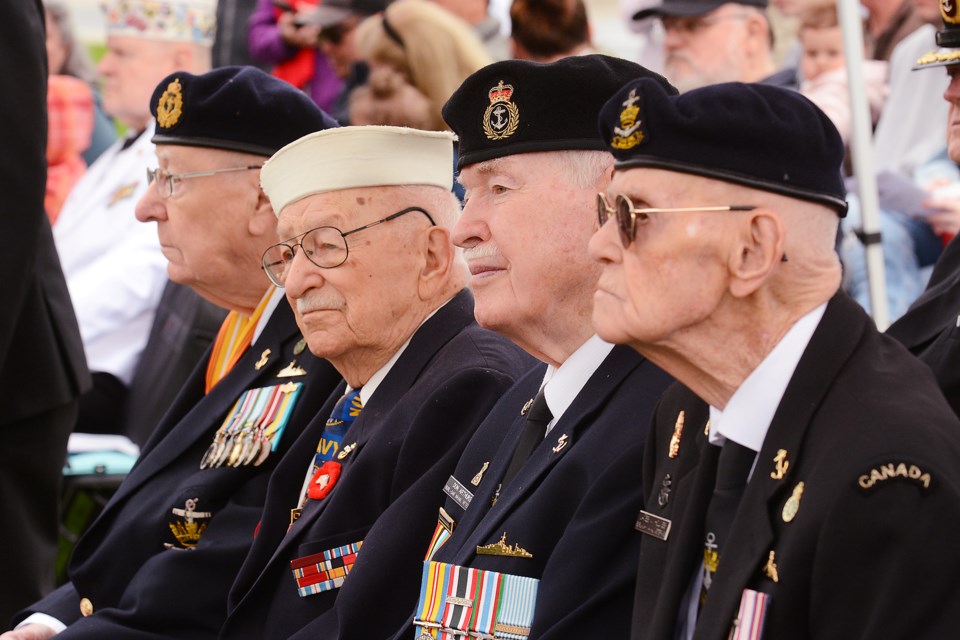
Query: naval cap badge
{"x": 502, "y": 117}
{"x": 628, "y": 134}
{"x": 170, "y": 105}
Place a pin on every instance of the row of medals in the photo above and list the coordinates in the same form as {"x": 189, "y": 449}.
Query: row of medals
{"x": 237, "y": 449}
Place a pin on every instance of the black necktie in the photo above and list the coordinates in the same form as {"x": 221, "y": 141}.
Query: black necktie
{"x": 534, "y": 430}
{"x": 733, "y": 468}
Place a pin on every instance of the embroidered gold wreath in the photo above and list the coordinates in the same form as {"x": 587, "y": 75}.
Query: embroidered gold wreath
{"x": 500, "y": 97}
{"x": 170, "y": 106}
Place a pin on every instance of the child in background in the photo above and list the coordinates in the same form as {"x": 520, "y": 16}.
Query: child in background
{"x": 822, "y": 64}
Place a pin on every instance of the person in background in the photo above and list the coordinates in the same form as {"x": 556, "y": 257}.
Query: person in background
{"x": 712, "y": 41}
{"x": 423, "y": 43}
{"x": 931, "y": 326}
{"x": 887, "y": 23}
{"x": 42, "y": 369}
{"x": 477, "y": 14}
{"x": 824, "y": 73}
{"x": 67, "y": 56}
{"x": 547, "y": 30}
{"x": 279, "y": 35}
{"x": 70, "y": 116}
{"x": 115, "y": 267}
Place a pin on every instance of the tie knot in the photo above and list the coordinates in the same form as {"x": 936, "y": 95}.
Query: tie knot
{"x": 733, "y": 466}
{"x": 539, "y": 410}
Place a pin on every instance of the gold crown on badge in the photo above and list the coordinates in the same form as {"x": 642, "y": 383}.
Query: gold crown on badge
{"x": 502, "y": 117}
{"x": 188, "y": 531}
{"x": 948, "y": 9}
{"x": 628, "y": 134}
{"x": 170, "y": 105}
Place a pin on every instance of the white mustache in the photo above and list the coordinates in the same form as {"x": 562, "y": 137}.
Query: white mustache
{"x": 316, "y": 301}
{"x": 486, "y": 250}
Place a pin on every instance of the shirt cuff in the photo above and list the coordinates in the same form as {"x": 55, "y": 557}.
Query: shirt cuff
{"x": 45, "y": 620}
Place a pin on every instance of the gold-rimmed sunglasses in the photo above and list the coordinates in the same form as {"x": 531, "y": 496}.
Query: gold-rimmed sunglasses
{"x": 628, "y": 216}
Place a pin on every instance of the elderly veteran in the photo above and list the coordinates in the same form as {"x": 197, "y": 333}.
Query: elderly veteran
{"x": 810, "y": 486}
{"x": 114, "y": 265}
{"x": 160, "y": 558}
{"x": 930, "y": 328}
{"x": 378, "y": 290}
{"x": 542, "y": 503}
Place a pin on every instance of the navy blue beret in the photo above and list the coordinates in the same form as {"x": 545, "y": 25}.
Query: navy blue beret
{"x": 755, "y": 135}
{"x": 233, "y": 108}
{"x": 517, "y": 106}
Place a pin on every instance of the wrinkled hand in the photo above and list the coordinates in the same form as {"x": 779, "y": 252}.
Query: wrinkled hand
{"x": 304, "y": 37}
{"x": 29, "y": 632}
{"x": 944, "y": 218}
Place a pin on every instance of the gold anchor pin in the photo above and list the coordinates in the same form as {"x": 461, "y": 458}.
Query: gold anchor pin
{"x": 264, "y": 358}
{"x": 477, "y": 478}
{"x": 346, "y": 450}
{"x": 561, "y": 443}
{"x": 782, "y": 464}
{"x": 770, "y": 569}
{"x": 675, "y": 438}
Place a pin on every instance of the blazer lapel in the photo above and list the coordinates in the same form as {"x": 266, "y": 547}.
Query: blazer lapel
{"x": 561, "y": 439}
{"x": 752, "y": 535}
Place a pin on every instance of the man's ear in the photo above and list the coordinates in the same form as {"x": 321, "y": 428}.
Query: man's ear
{"x": 438, "y": 255}
{"x": 263, "y": 221}
{"x": 758, "y": 252}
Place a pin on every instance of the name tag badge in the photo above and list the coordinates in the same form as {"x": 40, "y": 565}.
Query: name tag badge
{"x": 653, "y": 525}
{"x": 458, "y": 493}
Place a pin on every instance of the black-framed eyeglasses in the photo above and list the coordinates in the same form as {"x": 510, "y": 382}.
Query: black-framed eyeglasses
{"x": 628, "y": 216}
{"x": 325, "y": 247}
{"x": 166, "y": 181}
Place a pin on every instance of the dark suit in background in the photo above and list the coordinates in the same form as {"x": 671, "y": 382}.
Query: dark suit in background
{"x": 931, "y": 328}
{"x": 184, "y": 327}
{"x": 42, "y": 367}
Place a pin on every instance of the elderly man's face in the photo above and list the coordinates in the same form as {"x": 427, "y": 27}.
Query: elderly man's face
{"x": 707, "y": 49}
{"x": 207, "y": 227}
{"x": 525, "y": 229}
{"x": 354, "y": 308}
{"x": 129, "y": 71}
{"x": 952, "y": 95}
{"x": 672, "y": 276}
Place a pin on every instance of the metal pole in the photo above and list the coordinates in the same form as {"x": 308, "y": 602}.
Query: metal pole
{"x": 861, "y": 153}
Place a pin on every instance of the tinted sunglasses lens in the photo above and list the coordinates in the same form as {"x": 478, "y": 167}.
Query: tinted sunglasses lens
{"x": 625, "y": 221}
{"x": 601, "y": 209}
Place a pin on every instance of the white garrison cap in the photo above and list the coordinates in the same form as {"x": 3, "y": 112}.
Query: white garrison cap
{"x": 168, "y": 20}
{"x": 350, "y": 157}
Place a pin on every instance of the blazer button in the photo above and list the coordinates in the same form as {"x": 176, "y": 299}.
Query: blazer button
{"x": 86, "y": 607}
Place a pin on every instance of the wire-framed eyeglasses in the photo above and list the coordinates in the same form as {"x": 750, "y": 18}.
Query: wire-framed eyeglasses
{"x": 628, "y": 216}
{"x": 325, "y": 247}
{"x": 166, "y": 181}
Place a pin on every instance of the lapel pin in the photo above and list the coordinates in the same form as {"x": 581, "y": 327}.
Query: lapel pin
{"x": 781, "y": 463}
{"x": 299, "y": 347}
{"x": 526, "y": 407}
{"x": 501, "y": 548}
{"x": 347, "y": 450}
{"x": 561, "y": 443}
{"x": 770, "y": 569}
{"x": 264, "y": 358}
{"x": 477, "y": 478}
{"x": 706, "y": 428}
{"x": 793, "y": 503}
{"x": 664, "y": 496}
{"x": 292, "y": 371}
{"x": 675, "y": 438}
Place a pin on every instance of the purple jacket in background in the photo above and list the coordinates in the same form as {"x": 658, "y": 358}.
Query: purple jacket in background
{"x": 268, "y": 47}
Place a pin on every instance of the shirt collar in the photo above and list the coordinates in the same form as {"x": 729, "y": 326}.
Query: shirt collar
{"x": 562, "y": 384}
{"x": 751, "y": 408}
